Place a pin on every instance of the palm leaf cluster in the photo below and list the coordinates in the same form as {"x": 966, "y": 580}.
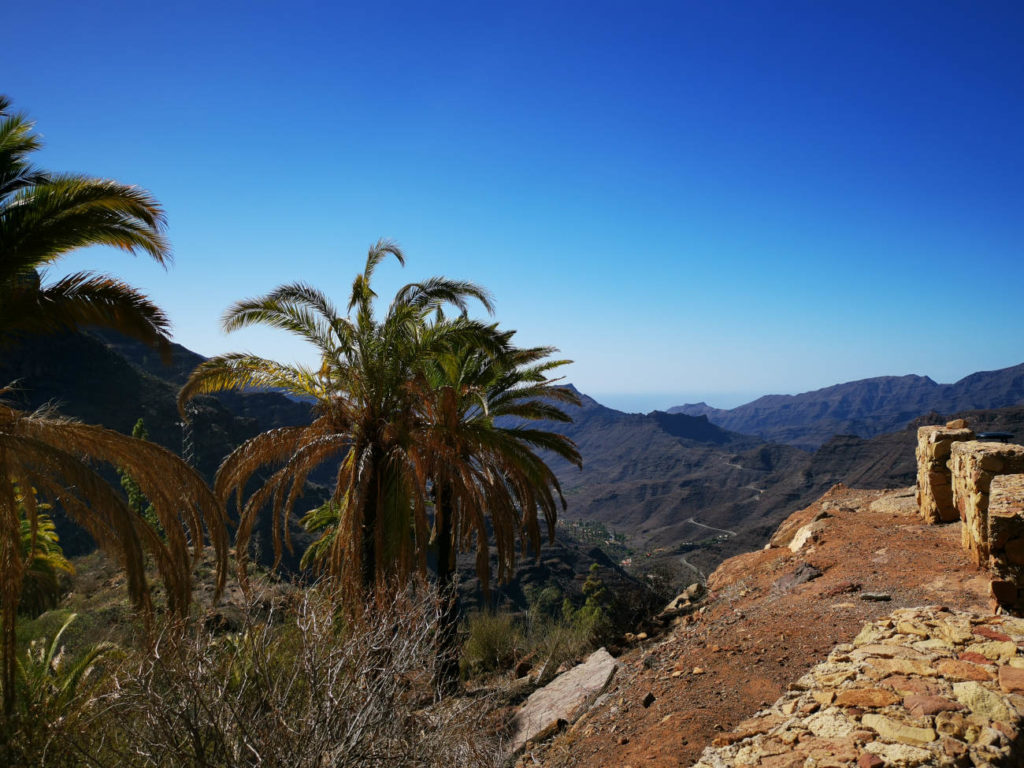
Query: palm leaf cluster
{"x": 398, "y": 425}
{"x": 58, "y": 457}
{"x": 482, "y": 454}
{"x": 44, "y": 216}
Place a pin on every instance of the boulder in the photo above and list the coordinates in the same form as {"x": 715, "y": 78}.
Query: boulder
{"x": 565, "y": 699}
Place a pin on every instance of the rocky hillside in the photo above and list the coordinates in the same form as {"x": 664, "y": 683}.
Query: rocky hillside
{"x": 667, "y": 478}
{"x": 678, "y": 486}
{"x": 864, "y": 408}
{"x": 770, "y": 616}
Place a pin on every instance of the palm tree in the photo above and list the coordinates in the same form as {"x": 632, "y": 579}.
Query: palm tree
{"x": 363, "y": 412}
{"x": 482, "y": 453}
{"x": 43, "y": 216}
{"x": 481, "y": 456}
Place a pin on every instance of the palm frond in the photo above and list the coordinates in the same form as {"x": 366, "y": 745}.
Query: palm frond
{"x": 41, "y": 223}
{"x": 55, "y": 456}
{"x": 83, "y": 299}
{"x": 439, "y": 291}
{"x": 240, "y": 371}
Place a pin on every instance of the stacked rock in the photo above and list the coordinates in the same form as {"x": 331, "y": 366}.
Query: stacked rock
{"x": 973, "y": 467}
{"x": 1006, "y": 540}
{"x": 923, "y": 686}
{"x": 934, "y": 485}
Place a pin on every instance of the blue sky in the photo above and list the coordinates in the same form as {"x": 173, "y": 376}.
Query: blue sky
{"x": 693, "y": 200}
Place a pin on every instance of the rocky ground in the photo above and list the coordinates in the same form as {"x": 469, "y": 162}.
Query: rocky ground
{"x": 921, "y": 687}
{"x": 770, "y": 616}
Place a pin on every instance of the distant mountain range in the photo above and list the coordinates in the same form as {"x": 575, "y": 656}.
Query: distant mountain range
{"x": 864, "y": 408}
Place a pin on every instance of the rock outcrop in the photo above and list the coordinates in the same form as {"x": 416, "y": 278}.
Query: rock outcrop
{"x": 563, "y": 700}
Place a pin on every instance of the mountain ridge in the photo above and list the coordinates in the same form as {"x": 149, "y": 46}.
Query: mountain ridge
{"x": 866, "y": 407}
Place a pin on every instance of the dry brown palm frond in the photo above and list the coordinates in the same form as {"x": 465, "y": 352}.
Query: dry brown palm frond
{"x": 57, "y": 457}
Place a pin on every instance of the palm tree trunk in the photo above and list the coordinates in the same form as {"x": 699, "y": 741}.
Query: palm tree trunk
{"x": 447, "y": 676}
{"x": 368, "y": 544}
{"x": 11, "y": 574}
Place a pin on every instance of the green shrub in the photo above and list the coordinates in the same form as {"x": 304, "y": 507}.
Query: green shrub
{"x": 494, "y": 642}
{"x": 552, "y": 633}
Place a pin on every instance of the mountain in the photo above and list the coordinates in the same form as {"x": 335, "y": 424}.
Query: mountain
{"x": 679, "y": 487}
{"x": 865, "y": 408}
{"x": 672, "y": 481}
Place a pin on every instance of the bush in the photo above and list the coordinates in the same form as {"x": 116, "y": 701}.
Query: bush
{"x": 494, "y": 642}
{"x": 553, "y": 632}
{"x": 307, "y": 686}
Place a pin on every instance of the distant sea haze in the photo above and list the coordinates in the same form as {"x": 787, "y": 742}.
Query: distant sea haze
{"x": 644, "y": 402}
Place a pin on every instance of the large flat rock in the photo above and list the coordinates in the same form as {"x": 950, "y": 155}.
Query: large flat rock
{"x": 564, "y": 698}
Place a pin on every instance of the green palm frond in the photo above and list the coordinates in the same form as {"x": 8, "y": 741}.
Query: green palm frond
{"x": 44, "y": 216}
{"x": 438, "y": 291}
{"x": 324, "y": 521}
{"x": 80, "y": 299}
{"x": 41, "y": 223}
{"x": 362, "y": 294}
{"x": 17, "y": 142}
{"x": 240, "y": 371}
{"x": 44, "y": 558}
{"x": 48, "y": 681}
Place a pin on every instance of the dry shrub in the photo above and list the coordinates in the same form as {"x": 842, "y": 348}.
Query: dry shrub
{"x": 307, "y": 686}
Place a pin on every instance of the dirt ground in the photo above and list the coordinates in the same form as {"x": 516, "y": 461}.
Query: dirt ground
{"x": 764, "y": 625}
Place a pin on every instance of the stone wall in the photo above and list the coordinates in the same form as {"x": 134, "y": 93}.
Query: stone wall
{"x": 923, "y": 686}
{"x": 974, "y": 465}
{"x": 1006, "y": 540}
{"x": 934, "y": 484}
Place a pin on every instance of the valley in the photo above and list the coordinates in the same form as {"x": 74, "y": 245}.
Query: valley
{"x": 678, "y": 491}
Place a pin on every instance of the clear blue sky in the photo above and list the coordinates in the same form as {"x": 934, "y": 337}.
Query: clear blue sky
{"x": 688, "y": 198}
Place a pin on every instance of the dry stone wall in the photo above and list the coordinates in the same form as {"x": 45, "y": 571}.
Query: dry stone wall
{"x": 981, "y": 484}
{"x": 934, "y": 483}
{"x": 974, "y": 465}
{"x": 923, "y": 686}
{"x": 1006, "y": 540}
